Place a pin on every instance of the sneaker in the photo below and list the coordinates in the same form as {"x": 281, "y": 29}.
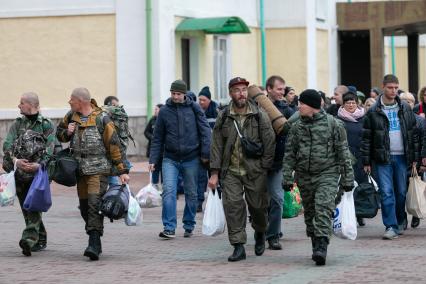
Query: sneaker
{"x": 167, "y": 235}
{"x": 390, "y": 234}
{"x": 187, "y": 234}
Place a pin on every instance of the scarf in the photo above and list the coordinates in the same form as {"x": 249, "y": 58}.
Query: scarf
{"x": 353, "y": 117}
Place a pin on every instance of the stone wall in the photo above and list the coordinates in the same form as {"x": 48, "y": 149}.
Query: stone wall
{"x": 136, "y": 125}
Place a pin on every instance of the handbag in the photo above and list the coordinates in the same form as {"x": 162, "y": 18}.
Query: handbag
{"x": 66, "y": 167}
{"x": 38, "y": 198}
{"x": 250, "y": 148}
{"x": 367, "y": 199}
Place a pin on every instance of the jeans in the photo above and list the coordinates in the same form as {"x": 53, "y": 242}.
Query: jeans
{"x": 275, "y": 209}
{"x": 114, "y": 180}
{"x": 392, "y": 180}
{"x": 189, "y": 171}
{"x": 202, "y": 184}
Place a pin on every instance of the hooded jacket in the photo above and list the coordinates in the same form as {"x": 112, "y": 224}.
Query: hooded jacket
{"x": 181, "y": 132}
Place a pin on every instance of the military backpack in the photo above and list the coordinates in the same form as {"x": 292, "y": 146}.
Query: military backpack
{"x": 121, "y": 122}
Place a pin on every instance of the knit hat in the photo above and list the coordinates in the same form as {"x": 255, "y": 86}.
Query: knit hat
{"x": 205, "y": 92}
{"x": 311, "y": 98}
{"x": 178, "y": 86}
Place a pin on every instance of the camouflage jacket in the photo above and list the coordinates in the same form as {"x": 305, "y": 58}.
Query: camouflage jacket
{"x": 19, "y": 127}
{"x": 106, "y": 128}
{"x": 316, "y": 145}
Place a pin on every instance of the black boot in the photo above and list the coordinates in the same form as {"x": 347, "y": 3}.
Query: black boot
{"x": 415, "y": 222}
{"x": 259, "y": 246}
{"x": 238, "y": 254}
{"x": 320, "y": 252}
{"x": 314, "y": 246}
{"x": 94, "y": 248}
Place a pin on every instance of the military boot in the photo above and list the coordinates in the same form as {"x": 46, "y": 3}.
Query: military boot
{"x": 314, "y": 246}
{"x": 238, "y": 254}
{"x": 320, "y": 252}
{"x": 94, "y": 248}
{"x": 259, "y": 246}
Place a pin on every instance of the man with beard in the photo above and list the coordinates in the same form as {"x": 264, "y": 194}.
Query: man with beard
{"x": 240, "y": 172}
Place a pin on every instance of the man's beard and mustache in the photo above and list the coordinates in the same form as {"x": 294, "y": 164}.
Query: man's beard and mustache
{"x": 239, "y": 103}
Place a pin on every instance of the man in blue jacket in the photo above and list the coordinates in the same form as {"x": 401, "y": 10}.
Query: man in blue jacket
{"x": 182, "y": 136}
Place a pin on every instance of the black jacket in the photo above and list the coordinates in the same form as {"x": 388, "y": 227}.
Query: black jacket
{"x": 149, "y": 133}
{"x": 375, "y": 145}
{"x": 280, "y": 139}
{"x": 182, "y": 131}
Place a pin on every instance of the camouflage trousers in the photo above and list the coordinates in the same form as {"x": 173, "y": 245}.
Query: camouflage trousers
{"x": 318, "y": 198}
{"x": 34, "y": 231}
{"x": 234, "y": 190}
{"x": 90, "y": 190}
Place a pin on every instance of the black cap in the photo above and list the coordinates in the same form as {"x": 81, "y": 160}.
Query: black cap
{"x": 311, "y": 98}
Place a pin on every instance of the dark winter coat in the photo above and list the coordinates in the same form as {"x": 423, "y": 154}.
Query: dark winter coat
{"x": 375, "y": 145}
{"x": 149, "y": 133}
{"x": 182, "y": 131}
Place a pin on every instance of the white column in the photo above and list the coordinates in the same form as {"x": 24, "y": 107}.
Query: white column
{"x": 333, "y": 50}
{"x": 311, "y": 45}
{"x": 131, "y": 59}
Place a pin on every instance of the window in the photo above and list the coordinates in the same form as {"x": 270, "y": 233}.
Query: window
{"x": 221, "y": 67}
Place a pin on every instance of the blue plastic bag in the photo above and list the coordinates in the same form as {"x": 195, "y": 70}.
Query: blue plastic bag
{"x": 38, "y": 197}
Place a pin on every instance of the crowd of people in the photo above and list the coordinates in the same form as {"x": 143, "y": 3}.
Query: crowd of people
{"x": 324, "y": 146}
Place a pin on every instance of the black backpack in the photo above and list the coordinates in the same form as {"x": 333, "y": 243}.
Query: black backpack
{"x": 115, "y": 202}
{"x": 367, "y": 200}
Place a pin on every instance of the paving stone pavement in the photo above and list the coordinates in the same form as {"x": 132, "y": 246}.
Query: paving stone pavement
{"x": 136, "y": 254}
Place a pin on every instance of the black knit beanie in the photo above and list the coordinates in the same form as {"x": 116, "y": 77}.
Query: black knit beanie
{"x": 311, "y": 98}
{"x": 205, "y": 92}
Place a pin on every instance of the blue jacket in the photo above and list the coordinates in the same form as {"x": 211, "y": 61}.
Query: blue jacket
{"x": 211, "y": 113}
{"x": 181, "y": 133}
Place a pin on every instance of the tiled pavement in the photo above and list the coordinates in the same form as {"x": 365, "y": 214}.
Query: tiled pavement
{"x": 136, "y": 255}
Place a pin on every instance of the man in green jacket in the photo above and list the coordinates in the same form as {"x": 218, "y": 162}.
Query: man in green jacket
{"x": 317, "y": 151}
{"x": 239, "y": 172}
{"x": 29, "y": 144}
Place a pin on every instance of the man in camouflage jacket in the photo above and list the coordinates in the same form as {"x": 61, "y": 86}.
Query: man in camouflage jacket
{"x": 317, "y": 151}
{"x": 96, "y": 146}
{"x": 28, "y": 155}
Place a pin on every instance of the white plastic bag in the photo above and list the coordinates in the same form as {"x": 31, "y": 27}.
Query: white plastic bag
{"x": 214, "y": 217}
{"x": 134, "y": 213}
{"x": 416, "y": 199}
{"x": 344, "y": 222}
{"x": 7, "y": 189}
{"x": 149, "y": 197}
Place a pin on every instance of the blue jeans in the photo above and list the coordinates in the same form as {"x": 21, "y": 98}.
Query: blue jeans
{"x": 189, "y": 171}
{"x": 392, "y": 179}
{"x": 202, "y": 184}
{"x": 275, "y": 210}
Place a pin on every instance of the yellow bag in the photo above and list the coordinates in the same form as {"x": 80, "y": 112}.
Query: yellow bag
{"x": 416, "y": 199}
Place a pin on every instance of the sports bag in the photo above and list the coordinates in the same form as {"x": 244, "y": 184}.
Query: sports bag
{"x": 367, "y": 199}
{"x": 115, "y": 202}
{"x": 66, "y": 168}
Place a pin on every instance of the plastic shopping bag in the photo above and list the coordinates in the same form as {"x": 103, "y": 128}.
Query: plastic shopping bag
{"x": 39, "y": 198}
{"x": 214, "y": 217}
{"x": 344, "y": 219}
{"x": 416, "y": 199}
{"x": 149, "y": 197}
{"x": 292, "y": 203}
{"x": 134, "y": 213}
{"x": 7, "y": 189}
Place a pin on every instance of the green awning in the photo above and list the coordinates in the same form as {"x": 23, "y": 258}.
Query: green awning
{"x": 225, "y": 25}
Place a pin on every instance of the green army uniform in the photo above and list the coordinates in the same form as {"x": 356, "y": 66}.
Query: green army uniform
{"x": 241, "y": 176}
{"x": 34, "y": 233}
{"x": 317, "y": 150}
